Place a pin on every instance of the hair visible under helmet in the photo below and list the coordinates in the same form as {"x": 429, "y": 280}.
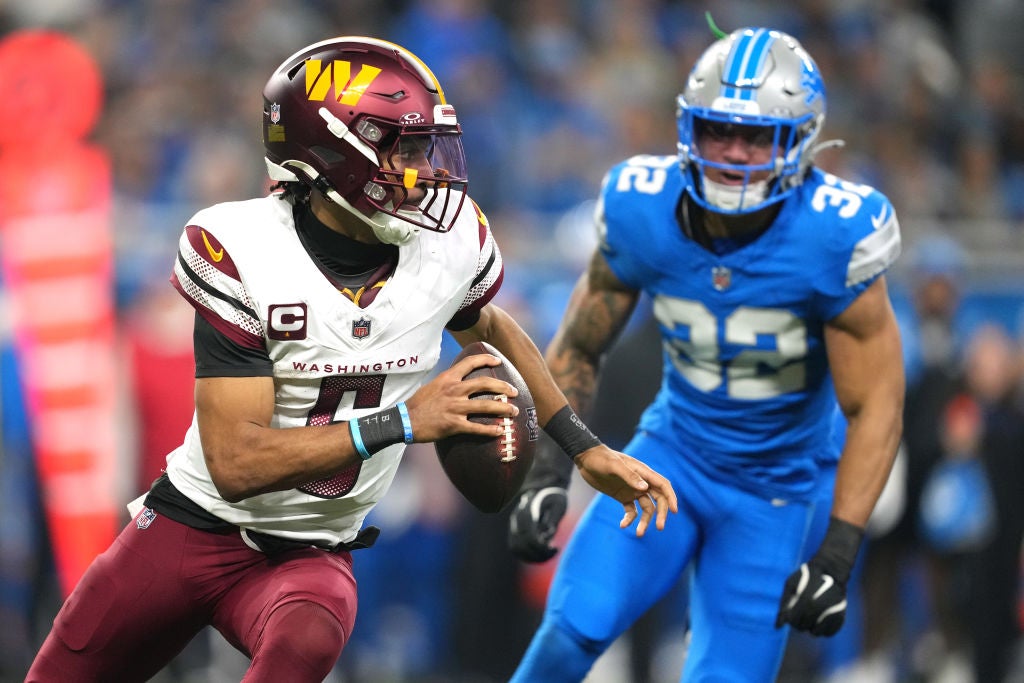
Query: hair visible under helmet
{"x": 336, "y": 112}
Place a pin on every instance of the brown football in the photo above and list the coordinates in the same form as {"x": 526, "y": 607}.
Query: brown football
{"x": 488, "y": 471}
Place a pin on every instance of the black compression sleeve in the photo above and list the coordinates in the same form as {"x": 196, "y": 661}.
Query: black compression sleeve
{"x": 218, "y": 356}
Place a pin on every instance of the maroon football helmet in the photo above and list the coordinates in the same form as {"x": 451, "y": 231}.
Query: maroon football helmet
{"x": 366, "y": 123}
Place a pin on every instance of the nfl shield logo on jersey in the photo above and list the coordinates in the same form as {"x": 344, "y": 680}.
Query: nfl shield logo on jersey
{"x": 145, "y": 518}
{"x": 361, "y": 328}
{"x": 275, "y": 113}
{"x": 721, "y": 277}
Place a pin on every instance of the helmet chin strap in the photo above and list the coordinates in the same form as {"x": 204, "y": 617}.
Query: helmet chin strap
{"x": 388, "y": 229}
{"x": 391, "y": 229}
{"x": 734, "y": 197}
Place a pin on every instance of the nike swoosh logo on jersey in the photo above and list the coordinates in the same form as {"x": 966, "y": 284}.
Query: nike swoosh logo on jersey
{"x": 215, "y": 254}
{"x": 479, "y": 214}
{"x": 879, "y": 220}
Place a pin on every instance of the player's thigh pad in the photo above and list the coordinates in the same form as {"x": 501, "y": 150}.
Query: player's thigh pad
{"x": 308, "y": 575}
{"x": 104, "y": 605}
{"x": 106, "y": 624}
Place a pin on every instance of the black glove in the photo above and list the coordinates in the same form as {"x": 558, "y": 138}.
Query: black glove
{"x": 814, "y": 596}
{"x": 542, "y": 504}
{"x": 534, "y": 522}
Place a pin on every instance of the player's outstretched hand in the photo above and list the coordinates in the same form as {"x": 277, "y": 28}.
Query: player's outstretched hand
{"x": 442, "y": 406}
{"x": 630, "y": 482}
{"x": 534, "y": 521}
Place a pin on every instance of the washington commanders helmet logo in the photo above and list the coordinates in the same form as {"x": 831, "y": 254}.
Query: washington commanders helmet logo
{"x": 348, "y": 89}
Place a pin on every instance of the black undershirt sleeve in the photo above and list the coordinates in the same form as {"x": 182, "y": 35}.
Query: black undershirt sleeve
{"x": 463, "y": 320}
{"x": 218, "y": 356}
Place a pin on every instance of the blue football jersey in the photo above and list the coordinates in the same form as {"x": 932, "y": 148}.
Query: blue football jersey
{"x": 746, "y": 390}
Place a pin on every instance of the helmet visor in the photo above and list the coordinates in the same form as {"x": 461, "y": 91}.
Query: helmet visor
{"x": 423, "y": 175}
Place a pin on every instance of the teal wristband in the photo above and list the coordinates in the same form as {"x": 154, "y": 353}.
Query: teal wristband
{"x": 406, "y": 422}
{"x": 357, "y": 438}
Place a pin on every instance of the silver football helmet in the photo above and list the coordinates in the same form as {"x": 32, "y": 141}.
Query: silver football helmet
{"x": 752, "y": 77}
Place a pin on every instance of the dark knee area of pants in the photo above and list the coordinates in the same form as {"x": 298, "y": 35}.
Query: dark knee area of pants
{"x": 301, "y": 641}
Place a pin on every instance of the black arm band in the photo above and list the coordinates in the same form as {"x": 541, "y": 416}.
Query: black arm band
{"x": 371, "y": 433}
{"x": 838, "y": 550}
{"x": 568, "y": 431}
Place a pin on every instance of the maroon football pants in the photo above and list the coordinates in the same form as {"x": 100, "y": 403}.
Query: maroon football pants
{"x": 155, "y": 588}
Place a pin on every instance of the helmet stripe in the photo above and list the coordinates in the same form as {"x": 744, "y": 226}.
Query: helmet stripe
{"x": 745, "y": 62}
{"x": 421, "y": 67}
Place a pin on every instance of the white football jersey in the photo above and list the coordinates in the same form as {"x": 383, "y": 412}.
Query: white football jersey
{"x": 242, "y": 266}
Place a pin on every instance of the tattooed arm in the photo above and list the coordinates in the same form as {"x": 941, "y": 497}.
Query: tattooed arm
{"x": 598, "y": 309}
{"x": 600, "y": 306}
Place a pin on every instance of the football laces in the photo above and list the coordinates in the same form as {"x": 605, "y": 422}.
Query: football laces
{"x": 508, "y": 438}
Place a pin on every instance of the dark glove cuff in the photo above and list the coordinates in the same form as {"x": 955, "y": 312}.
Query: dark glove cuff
{"x": 838, "y": 551}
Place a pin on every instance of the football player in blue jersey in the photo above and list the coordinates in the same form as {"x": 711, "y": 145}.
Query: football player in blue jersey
{"x": 767, "y": 280}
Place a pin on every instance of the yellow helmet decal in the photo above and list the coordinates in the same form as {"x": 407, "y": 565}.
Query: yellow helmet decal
{"x": 347, "y": 90}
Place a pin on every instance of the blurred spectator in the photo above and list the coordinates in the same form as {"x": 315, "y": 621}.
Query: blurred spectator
{"x": 561, "y": 138}
{"x": 987, "y": 35}
{"x": 632, "y": 80}
{"x": 932, "y": 336}
{"x": 953, "y": 517}
{"x": 931, "y": 351}
{"x": 992, "y": 374}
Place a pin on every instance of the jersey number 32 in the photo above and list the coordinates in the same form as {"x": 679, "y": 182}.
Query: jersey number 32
{"x": 758, "y": 370}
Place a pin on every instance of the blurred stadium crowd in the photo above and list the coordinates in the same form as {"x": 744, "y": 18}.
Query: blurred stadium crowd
{"x": 927, "y": 94}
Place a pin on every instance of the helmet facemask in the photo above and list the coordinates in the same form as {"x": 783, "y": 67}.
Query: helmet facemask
{"x": 421, "y": 177}
{"x": 784, "y": 166}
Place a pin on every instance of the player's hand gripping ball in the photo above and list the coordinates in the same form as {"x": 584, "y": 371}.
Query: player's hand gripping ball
{"x": 488, "y": 471}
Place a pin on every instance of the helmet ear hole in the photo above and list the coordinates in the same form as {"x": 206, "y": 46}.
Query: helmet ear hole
{"x": 328, "y": 155}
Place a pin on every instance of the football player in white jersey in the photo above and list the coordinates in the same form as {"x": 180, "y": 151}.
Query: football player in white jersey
{"x": 320, "y": 310}
{"x": 767, "y": 281}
